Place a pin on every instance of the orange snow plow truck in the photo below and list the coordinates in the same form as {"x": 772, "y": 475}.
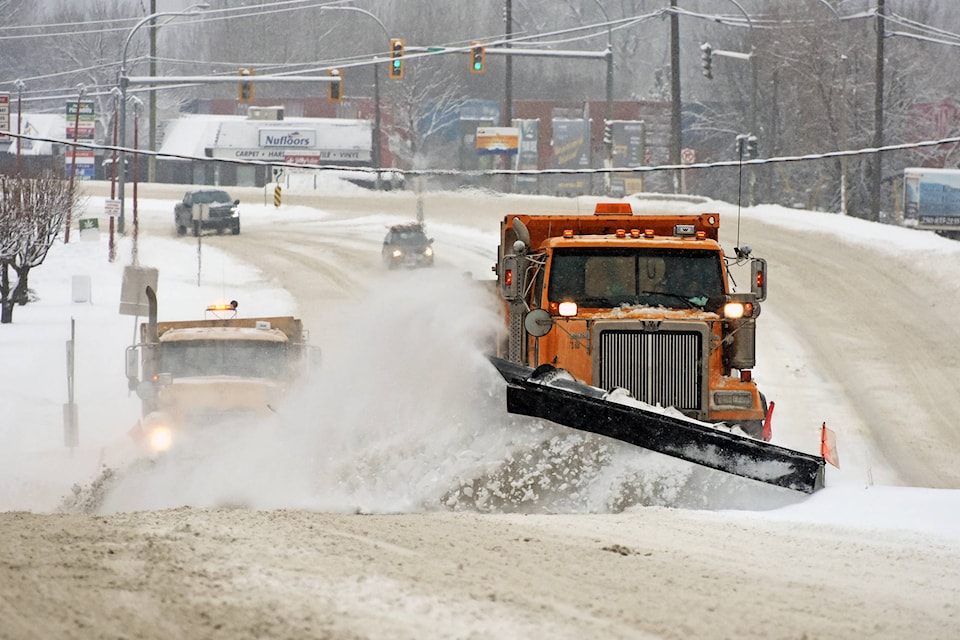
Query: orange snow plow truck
{"x": 627, "y": 326}
{"x": 192, "y": 374}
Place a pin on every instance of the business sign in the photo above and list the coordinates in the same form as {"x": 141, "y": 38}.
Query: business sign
{"x": 498, "y": 140}
{"x": 571, "y": 150}
{"x": 84, "y": 156}
{"x": 4, "y": 116}
{"x": 288, "y": 138}
{"x": 84, "y": 171}
{"x": 316, "y": 156}
{"x": 86, "y": 109}
{"x": 629, "y": 145}
{"x": 81, "y": 126}
{"x": 83, "y": 132}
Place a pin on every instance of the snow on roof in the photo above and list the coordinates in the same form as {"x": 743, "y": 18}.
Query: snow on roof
{"x": 193, "y": 135}
{"x": 45, "y": 125}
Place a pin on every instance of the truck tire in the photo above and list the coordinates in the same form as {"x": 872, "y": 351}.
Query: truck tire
{"x": 753, "y": 428}
{"x": 236, "y": 228}
{"x": 181, "y": 230}
{"x": 196, "y": 228}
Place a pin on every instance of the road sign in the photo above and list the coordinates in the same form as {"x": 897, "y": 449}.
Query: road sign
{"x": 4, "y": 115}
{"x": 688, "y": 156}
{"x": 111, "y": 208}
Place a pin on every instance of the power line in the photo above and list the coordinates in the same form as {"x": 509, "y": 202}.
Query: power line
{"x": 866, "y": 151}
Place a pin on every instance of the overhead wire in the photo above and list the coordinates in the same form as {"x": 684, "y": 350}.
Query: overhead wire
{"x": 865, "y": 151}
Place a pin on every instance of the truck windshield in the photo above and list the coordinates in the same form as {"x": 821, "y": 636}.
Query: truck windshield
{"x": 210, "y": 197}
{"x": 606, "y": 277}
{"x": 246, "y": 358}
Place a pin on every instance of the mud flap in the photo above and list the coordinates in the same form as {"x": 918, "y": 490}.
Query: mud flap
{"x": 573, "y": 404}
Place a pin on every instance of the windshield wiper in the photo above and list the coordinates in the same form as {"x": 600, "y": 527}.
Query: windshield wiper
{"x": 689, "y": 302}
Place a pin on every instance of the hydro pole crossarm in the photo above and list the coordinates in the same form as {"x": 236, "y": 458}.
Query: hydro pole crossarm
{"x": 544, "y": 53}
{"x": 723, "y": 53}
{"x": 227, "y": 79}
{"x": 513, "y": 51}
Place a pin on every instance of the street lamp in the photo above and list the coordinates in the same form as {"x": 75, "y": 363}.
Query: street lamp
{"x": 376, "y": 88}
{"x": 137, "y": 106}
{"x": 609, "y": 107}
{"x": 752, "y": 56}
{"x": 20, "y": 85}
{"x": 123, "y": 81}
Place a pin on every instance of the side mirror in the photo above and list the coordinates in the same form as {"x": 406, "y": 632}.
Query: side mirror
{"x": 237, "y": 201}
{"x": 538, "y": 323}
{"x": 147, "y": 390}
{"x": 132, "y": 367}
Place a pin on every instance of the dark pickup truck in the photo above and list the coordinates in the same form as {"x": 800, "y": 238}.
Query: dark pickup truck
{"x": 221, "y": 212}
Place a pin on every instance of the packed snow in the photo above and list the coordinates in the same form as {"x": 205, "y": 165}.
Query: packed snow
{"x": 405, "y": 415}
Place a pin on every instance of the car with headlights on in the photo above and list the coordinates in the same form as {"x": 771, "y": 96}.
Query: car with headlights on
{"x": 407, "y": 245}
{"x": 207, "y": 209}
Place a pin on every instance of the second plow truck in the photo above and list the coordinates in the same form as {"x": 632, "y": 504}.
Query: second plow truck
{"x": 222, "y": 370}
{"x": 628, "y": 326}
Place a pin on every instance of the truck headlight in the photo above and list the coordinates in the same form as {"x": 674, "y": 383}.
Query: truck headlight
{"x": 736, "y": 310}
{"x": 160, "y": 438}
{"x": 397, "y": 253}
{"x": 428, "y": 252}
{"x": 567, "y": 309}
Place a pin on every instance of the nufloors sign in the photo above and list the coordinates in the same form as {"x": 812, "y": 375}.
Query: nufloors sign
{"x": 288, "y": 138}
{"x": 311, "y": 145}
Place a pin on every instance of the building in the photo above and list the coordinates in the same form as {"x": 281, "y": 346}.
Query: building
{"x": 249, "y": 145}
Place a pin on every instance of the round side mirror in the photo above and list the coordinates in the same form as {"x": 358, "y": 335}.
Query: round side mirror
{"x": 538, "y": 323}
{"x": 147, "y": 390}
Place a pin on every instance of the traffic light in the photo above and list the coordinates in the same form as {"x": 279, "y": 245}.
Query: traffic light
{"x": 741, "y": 146}
{"x": 245, "y": 90}
{"x": 334, "y": 91}
{"x": 607, "y": 132}
{"x": 706, "y": 54}
{"x": 477, "y": 56}
{"x": 752, "y": 147}
{"x": 396, "y": 58}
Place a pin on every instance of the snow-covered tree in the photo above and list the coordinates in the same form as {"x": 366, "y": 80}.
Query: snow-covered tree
{"x": 32, "y": 210}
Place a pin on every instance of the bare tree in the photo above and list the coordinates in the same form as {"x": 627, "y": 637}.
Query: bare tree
{"x": 32, "y": 210}
{"x": 422, "y": 106}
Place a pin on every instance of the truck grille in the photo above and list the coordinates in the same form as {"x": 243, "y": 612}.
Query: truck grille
{"x": 659, "y": 367}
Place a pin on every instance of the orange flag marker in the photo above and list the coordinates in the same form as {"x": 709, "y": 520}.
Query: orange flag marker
{"x": 828, "y": 446}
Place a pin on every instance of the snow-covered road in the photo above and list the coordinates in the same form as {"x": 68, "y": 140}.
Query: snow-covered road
{"x": 857, "y": 332}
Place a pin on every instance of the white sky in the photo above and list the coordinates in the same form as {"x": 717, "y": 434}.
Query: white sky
{"x": 415, "y": 461}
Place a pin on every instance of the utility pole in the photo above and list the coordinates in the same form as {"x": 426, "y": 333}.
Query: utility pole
{"x": 73, "y": 162}
{"x": 20, "y": 85}
{"x": 843, "y": 135}
{"x": 676, "y": 131}
{"x": 507, "y": 119}
{"x": 877, "y": 171}
{"x": 151, "y": 159}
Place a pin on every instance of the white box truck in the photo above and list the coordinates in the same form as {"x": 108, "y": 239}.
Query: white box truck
{"x": 931, "y": 200}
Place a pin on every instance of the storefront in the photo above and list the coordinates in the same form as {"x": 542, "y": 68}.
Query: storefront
{"x": 250, "y": 146}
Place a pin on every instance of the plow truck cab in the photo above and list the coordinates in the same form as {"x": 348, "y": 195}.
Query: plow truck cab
{"x": 192, "y": 374}
{"x": 629, "y": 326}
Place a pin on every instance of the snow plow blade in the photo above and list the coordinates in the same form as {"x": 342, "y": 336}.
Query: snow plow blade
{"x": 586, "y": 408}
